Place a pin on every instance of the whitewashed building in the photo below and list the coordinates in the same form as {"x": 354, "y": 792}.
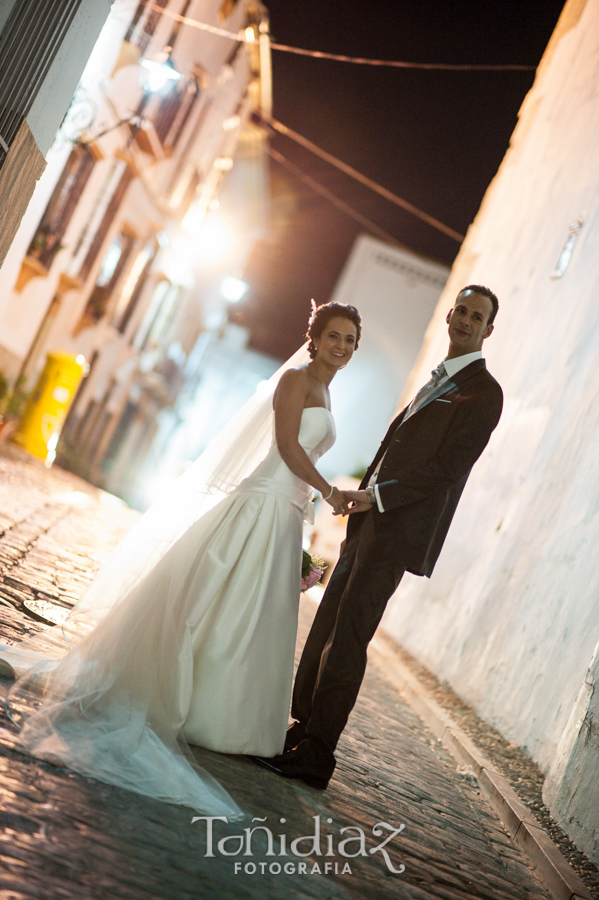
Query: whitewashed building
{"x": 154, "y": 191}
{"x": 395, "y": 292}
{"x": 510, "y": 617}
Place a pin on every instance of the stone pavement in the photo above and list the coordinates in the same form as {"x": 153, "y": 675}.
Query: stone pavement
{"x": 400, "y": 818}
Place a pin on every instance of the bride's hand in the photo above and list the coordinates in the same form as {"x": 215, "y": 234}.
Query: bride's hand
{"x": 338, "y": 502}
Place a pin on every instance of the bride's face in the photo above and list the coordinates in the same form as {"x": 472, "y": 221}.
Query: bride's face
{"x": 337, "y": 343}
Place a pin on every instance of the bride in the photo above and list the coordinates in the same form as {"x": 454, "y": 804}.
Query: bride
{"x": 187, "y": 634}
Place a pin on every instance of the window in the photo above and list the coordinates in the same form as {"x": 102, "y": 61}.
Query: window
{"x": 160, "y": 313}
{"x": 113, "y": 266}
{"x": 102, "y": 230}
{"x": 174, "y": 111}
{"x": 133, "y": 286}
{"x": 47, "y": 239}
{"x": 29, "y": 41}
{"x": 141, "y": 35}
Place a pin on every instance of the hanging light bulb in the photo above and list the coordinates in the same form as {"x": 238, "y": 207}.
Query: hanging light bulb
{"x": 158, "y": 74}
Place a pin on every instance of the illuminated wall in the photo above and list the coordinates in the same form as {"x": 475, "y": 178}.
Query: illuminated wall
{"x": 510, "y": 617}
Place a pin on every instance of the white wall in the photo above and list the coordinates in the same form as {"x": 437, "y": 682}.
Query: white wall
{"x": 395, "y": 292}
{"x": 511, "y": 615}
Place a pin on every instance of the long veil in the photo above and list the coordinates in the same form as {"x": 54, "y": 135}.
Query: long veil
{"x": 87, "y": 703}
{"x": 229, "y": 458}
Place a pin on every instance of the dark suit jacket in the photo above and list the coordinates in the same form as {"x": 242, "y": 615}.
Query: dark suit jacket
{"x": 429, "y": 458}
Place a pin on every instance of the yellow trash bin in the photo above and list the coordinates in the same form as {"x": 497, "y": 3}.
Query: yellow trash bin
{"x": 45, "y": 411}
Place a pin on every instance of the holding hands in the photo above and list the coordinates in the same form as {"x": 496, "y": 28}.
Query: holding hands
{"x": 358, "y": 501}
{"x": 338, "y": 501}
{"x": 348, "y": 502}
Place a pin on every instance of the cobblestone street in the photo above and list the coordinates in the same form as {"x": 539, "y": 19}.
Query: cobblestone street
{"x": 417, "y": 824}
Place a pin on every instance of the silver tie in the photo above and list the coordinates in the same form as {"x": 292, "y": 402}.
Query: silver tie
{"x": 437, "y": 374}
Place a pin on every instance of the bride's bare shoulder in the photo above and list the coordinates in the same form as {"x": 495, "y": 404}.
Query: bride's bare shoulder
{"x": 294, "y": 379}
{"x": 295, "y": 375}
{"x": 294, "y": 385}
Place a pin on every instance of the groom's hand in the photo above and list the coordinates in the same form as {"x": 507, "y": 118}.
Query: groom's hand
{"x": 338, "y": 501}
{"x": 358, "y": 501}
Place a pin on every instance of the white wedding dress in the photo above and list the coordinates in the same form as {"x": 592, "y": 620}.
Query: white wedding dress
{"x": 199, "y": 650}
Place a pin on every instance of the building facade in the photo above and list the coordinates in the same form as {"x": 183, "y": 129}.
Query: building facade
{"x": 395, "y": 291}
{"x": 43, "y": 50}
{"x": 140, "y": 214}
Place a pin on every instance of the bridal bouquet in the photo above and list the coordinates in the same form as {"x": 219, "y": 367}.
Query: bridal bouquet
{"x": 312, "y": 569}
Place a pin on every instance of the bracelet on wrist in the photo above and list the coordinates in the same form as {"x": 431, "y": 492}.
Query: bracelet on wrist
{"x": 329, "y": 495}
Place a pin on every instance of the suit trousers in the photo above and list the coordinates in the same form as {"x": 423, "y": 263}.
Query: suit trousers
{"x": 334, "y": 658}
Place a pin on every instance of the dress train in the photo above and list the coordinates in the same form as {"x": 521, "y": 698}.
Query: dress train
{"x": 198, "y": 650}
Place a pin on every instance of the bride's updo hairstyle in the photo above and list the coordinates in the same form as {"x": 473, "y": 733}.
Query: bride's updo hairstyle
{"x": 322, "y": 315}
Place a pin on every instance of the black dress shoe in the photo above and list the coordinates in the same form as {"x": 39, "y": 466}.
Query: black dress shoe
{"x": 296, "y": 733}
{"x": 310, "y": 762}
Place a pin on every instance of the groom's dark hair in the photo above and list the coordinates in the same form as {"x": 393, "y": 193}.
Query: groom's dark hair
{"x": 322, "y": 315}
{"x": 484, "y": 292}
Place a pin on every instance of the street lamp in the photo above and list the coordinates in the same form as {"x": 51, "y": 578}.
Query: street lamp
{"x": 211, "y": 235}
{"x": 159, "y": 73}
{"x": 233, "y": 289}
{"x": 214, "y": 241}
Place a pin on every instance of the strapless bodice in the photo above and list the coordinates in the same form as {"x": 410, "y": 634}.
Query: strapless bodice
{"x": 316, "y": 436}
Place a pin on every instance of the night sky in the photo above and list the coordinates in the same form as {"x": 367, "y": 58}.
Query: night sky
{"x": 435, "y": 138}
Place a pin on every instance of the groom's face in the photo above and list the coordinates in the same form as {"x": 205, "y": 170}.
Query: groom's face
{"x": 467, "y": 323}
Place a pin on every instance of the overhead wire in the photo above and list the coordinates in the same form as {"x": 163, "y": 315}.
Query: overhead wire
{"x": 396, "y": 64}
{"x": 362, "y": 179}
{"x": 338, "y": 57}
{"x": 275, "y": 125}
{"x": 324, "y": 155}
{"x": 332, "y": 198}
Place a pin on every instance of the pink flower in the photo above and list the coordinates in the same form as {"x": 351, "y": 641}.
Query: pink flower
{"x": 313, "y": 577}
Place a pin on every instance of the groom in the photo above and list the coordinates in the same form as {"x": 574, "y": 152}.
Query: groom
{"x": 398, "y": 522}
